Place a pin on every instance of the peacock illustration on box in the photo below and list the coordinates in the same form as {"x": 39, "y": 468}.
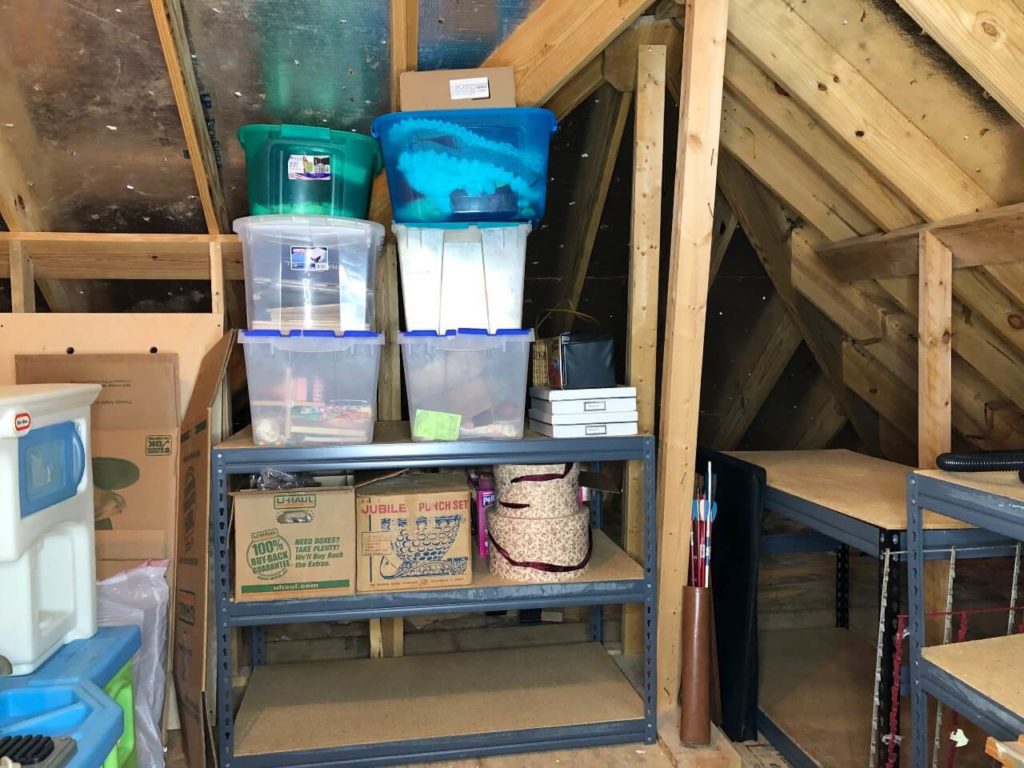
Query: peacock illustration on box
{"x": 421, "y": 552}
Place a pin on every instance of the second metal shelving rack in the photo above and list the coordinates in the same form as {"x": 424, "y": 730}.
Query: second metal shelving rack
{"x": 238, "y": 457}
{"x": 991, "y": 511}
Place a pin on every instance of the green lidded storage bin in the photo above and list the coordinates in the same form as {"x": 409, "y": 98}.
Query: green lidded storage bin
{"x": 303, "y": 169}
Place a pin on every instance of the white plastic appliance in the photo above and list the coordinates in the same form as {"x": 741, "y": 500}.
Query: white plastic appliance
{"x": 47, "y": 556}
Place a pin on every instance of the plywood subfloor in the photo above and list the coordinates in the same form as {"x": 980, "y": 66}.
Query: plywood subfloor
{"x": 994, "y": 667}
{"x": 862, "y": 487}
{"x": 817, "y": 686}
{"x": 316, "y": 705}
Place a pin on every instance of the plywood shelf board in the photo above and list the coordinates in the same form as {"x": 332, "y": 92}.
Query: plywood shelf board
{"x": 317, "y": 705}
{"x": 994, "y": 667}
{"x": 862, "y": 487}
{"x": 816, "y": 685}
{"x": 1005, "y": 484}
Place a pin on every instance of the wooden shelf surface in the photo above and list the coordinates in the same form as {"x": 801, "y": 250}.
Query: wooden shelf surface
{"x": 319, "y": 705}
{"x": 994, "y": 667}
{"x": 862, "y": 487}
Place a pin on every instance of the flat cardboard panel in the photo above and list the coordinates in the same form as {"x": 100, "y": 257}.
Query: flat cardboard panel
{"x": 134, "y": 446}
{"x": 413, "y": 532}
{"x": 295, "y": 543}
{"x": 435, "y": 89}
{"x": 207, "y": 421}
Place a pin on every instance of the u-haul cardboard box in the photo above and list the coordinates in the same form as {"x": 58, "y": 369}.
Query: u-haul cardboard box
{"x": 295, "y": 543}
{"x": 413, "y": 532}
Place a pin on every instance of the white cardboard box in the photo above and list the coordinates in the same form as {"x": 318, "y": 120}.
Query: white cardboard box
{"x": 584, "y": 430}
{"x": 566, "y": 419}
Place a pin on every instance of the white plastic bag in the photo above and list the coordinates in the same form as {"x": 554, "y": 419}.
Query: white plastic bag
{"x": 139, "y": 597}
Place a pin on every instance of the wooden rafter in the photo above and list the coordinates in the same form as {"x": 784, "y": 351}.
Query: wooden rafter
{"x": 757, "y": 365}
{"x": 170, "y": 26}
{"x": 726, "y": 223}
{"x": 577, "y": 90}
{"x": 773, "y": 160}
{"x": 817, "y": 420}
{"x": 796, "y": 56}
{"x": 935, "y": 354}
{"x": 600, "y": 151}
{"x": 986, "y": 37}
{"x": 880, "y": 389}
{"x": 697, "y": 157}
{"x": 644, "y": 267}
{"x": 786, "y": 116}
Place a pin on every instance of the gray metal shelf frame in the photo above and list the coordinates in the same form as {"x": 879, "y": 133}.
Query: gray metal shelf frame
{"x": 228, "y": 461}
{"x": 836, "y": 532}
{"x": 992, "y": 514}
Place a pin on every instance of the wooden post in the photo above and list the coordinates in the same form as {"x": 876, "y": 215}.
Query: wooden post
{"x": 700, "y": 116}
{"x": 934, "y": 390}
{"x": 405, "y": 42}
{"x": 934, "y": 373}
{"x": 642, "y": 352}
{"x": 23, "y": 281}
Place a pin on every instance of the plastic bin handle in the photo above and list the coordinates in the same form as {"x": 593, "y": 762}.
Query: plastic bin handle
{"x": 78, "y": 459}
{"x": 306, "y": 133}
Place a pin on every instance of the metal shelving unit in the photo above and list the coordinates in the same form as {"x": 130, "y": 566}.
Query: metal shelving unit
{"x": 866, "y": 523}
{"x": 985, "y": 690}
{"x": 617, "y": 580}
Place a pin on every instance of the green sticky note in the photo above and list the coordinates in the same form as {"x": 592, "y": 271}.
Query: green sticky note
{"x": 436, "y": 425}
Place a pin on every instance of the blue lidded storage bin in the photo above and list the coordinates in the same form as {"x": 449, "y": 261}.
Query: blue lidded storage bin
{"x": 66, "y": 696}
{"x": 467, "y": 164}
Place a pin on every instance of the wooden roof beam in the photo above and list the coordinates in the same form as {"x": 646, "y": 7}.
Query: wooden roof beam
{"x": 757, "y": 366}
{"x": 796, "y": 56}
{"x": 817, "y": 420}
{"x": 405, "y": 42}
{"x": 984, "y": 37}
{"x": 990, "y": 237}
{"x": 776, "y": 163}
{"x": 749, "y": 84}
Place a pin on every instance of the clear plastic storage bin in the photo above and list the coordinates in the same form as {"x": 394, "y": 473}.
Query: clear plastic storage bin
{"x": 462, "y": 275}
{"x": 312, "y": 386}
{"x": 467, "y": 164}
{"x": 309, "y": 272}
{"x": 466, "y": 384}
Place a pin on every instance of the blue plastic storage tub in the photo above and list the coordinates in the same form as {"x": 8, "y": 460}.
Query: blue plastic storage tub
{"x": 467, "y": 164}
{"x": 66, "y": 697}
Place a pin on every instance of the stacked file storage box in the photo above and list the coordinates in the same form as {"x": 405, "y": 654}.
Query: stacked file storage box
{"x": 607, "y": 411}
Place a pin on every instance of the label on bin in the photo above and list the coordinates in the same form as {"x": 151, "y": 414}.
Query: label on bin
{"x": 309, "y": 258}
{"x": 309, "y": 167}
{"x": 469, "y": 88}
{"x": 436, "y": 425}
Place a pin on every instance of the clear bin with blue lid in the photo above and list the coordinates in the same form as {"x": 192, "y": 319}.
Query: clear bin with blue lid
{"x": 310, "y": 387}
{"x": 466, "y": 384}
{"x": 309, "y": 272}
{"x": 467, "y": 164}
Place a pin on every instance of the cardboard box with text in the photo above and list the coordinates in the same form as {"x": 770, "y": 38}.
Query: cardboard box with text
{"x": 457, "y": 89}
{"x": 414, "y": 532}
{"x": 294, "y": 543}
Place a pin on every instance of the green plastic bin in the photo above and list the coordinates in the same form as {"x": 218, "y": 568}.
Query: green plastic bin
{"x": 121, "y": 689}
{"x": 308, "y": 170}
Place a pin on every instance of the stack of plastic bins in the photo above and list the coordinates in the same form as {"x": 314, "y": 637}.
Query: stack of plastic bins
{"x": 465, "y": 187}
{"x": 311, "y": 358}
{"x": 84, "y": 691}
